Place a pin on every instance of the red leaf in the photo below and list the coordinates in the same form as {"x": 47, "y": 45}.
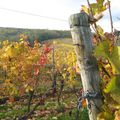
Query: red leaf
{"x": 47, "y": 49}
{"x": 11, "y": 99}
{"x": 43, "y": 60}
{"x": 36, "y": 71}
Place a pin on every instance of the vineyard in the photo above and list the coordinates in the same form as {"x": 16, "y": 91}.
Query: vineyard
{"x": 46, "y": 81}
{"x": 38, "y": 79}
{"x": 43, "y": 82}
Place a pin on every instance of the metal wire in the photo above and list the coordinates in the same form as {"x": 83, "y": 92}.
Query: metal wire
{"x": 33, "y": 14}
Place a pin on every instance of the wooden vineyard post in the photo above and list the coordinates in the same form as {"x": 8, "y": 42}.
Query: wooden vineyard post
{"x": 82, "y": 41}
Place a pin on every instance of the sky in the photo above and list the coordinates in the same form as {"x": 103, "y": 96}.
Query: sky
{"x": 49, "y": 14}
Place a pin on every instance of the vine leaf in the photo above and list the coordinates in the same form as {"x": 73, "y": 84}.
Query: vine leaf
{"x": 103, "y": 50}
{"x": 105, "y": 116}
{"x": 85, "y": 9}
{"x": 113, "y": 88}
{"x": 113, "y": 85}
{"x": 100, "y": 30}
{"x": 100, "y": 2}
{"x": 97, "y": 8}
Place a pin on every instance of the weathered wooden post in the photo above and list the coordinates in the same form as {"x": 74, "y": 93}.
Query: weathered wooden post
{"x": 82, "y": 41}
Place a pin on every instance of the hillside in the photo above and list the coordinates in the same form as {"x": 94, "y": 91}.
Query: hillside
{"x": 39, "y": 34}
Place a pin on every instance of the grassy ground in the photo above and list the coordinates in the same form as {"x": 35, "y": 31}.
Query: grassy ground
{"x": 49, "y": 111}
{"x": 10, "y": 114}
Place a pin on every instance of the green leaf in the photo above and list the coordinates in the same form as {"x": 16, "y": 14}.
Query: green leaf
{"x": 115, "y": 59}
{"x": 100, "y": 30}
{"x": 94, "y": 7}
{"x": 97, "y": 8}
{"x": 116, "y": 96}
{"x": 85, "y": 9}
{"x": 102, "y": 50}
{"x": 111, "y": 86}
{"x": 105, "y": 116}
{"x": 100, "y": 2}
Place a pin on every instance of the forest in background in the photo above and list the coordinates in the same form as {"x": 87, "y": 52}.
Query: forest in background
{"x": 13, "y": 34}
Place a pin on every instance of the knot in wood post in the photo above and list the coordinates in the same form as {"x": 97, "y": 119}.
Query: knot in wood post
{"x": 82, "y": 41}
{"x": 80, "y": 25}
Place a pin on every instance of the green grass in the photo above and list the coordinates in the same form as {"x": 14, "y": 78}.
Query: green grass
{"x": 7, "y": 112}
{"x": 83, "y": 115}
